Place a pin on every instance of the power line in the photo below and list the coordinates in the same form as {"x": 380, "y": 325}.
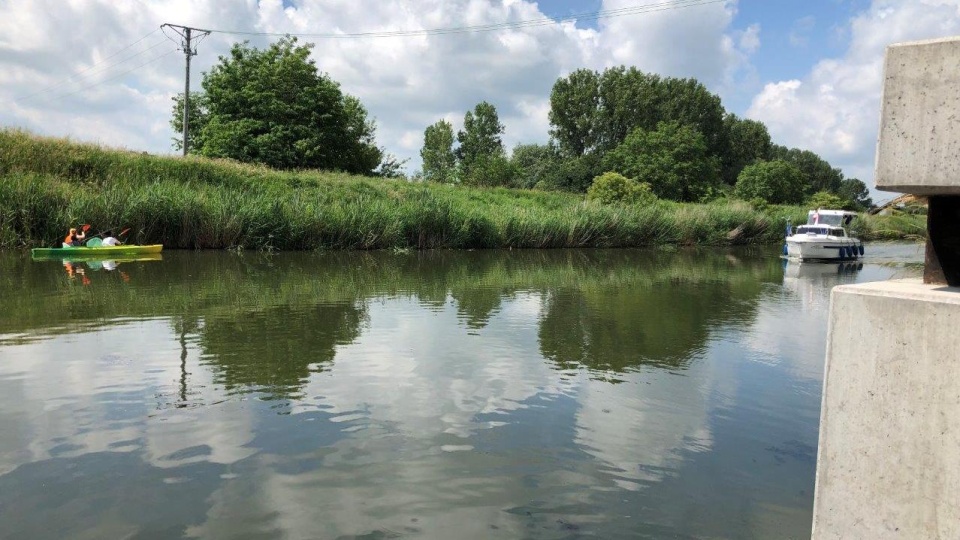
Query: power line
{"x": 82, "y": 74}
{"x": 111, "y": 79}
{"x": 527, "y": 23}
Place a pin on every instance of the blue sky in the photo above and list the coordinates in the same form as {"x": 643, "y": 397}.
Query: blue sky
{"x": 811, "y": 70}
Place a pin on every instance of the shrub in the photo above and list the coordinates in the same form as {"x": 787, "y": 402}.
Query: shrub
{"x": 825, "y": 199}
{"x": 611, "y": 187}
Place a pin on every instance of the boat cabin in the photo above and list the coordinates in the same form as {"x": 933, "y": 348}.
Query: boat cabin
{"x": 835, "y": 218}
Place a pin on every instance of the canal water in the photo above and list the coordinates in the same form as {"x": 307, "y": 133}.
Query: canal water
{"x": 482, "y": 394}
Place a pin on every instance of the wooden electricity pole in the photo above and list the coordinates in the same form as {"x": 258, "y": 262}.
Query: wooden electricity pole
{"x": 187, "y": 34}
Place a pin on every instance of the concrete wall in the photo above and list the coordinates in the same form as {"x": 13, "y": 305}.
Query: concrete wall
{"x": 919, "y": 138}
{"x": 889, "y": 454}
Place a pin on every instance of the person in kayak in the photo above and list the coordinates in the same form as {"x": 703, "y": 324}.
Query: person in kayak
{"x": 109, "y": 240}
{"x": 74, "y": 238}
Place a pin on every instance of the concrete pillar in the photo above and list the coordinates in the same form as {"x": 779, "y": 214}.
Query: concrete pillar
{"x": 889, "y": 457}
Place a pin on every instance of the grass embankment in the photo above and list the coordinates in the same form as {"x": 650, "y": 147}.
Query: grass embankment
{"x": 48, "y": 185}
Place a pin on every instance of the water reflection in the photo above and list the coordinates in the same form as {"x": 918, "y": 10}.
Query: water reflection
{"x": 484, "y": 394}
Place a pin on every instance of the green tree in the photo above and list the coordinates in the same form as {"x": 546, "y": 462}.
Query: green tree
{"x": 855, "y": 191}
{"x": 574, "y": 174}
{"x": 489, "y": 170}
{"x": 818, "y": 174}
{"x": 673, "y": 159}
{"x": 439, "y": 162}
{"x": 535, "y": 164}
{"x": 825, "y": 199}
{"x": 574, "y": 103}
{"x": 198, "y": 119}
{"x": 749, "y": 142}
{"x": 271, "y": 106}
{"x": 776, "y": 182}
{"x": 480, "y": 135}
{"x": 594, "y": 113}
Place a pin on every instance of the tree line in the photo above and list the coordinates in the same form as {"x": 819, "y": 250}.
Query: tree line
{"x": 671, "y": 134}
{"x": 273, "y": 107}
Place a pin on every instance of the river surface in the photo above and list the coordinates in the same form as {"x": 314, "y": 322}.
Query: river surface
{"x": 483, "y": 394}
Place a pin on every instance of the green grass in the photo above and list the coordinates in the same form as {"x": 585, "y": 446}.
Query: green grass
{"x": 48, "y": 185}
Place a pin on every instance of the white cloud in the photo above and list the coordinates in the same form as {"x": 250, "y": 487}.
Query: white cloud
{"x": 750, "y": 39}
{"x": 835, "y": 109}
{"x": 406, "y": 83}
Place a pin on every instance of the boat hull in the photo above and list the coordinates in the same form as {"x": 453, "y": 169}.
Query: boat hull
{"x": 103, "y": 252}
{"x": 823, "y": 250}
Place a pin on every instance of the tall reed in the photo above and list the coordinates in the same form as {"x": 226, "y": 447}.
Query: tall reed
{"x": 48, "y": 185}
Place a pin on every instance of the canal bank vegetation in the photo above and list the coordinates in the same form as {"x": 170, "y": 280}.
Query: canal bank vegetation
{"x": 633, "y": 159}
{"x": 48, "y": 185}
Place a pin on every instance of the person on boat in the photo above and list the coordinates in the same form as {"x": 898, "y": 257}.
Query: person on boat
{"x": 110, "y": 240}
{"x": 74, "y": 238}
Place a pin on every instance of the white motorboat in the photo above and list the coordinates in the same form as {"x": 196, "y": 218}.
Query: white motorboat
{"x": 824, "y": 238}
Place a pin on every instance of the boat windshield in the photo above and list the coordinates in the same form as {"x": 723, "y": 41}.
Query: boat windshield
{"x": 833, "y": 220}
{"x": 817, "y": 229}
{"x": 807, "y": 229}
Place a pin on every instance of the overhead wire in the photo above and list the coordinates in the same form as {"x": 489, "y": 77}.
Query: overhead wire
{"x": 84, "y": 73}
{"x": 111, "y": 79}
{"x": 508, "y": 25}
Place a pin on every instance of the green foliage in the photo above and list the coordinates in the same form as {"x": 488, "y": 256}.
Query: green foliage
{"x": 198, "y": 118}
{"x": 673, "y": 159}
{"x": 749, "y": 142}
{"x": 759, "y": 204}
{"x": 818, "y": 175}
{"x": 480, "y": 136}
{"x": 610, "y": 187}
{"x": 855, "y": 191}
{"x": 827, "y": 200}
{"x": 535, "y": 164}
{"x": 594, "y": 113}
{"x": 489, "y": 170}
{"x": 272, "y": 107}
{"x": 777, "y": 182}
{"x": 439, "y": 162}
{"x": 574, "y": 108}
{"x": 574, "y": 174}
{"x": 47, "y": 185}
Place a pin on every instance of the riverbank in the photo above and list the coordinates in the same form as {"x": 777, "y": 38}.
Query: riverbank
{"x": 48, "y": 185}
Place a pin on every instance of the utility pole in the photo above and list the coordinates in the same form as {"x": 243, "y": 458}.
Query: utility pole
{"x": 186, "y": 34}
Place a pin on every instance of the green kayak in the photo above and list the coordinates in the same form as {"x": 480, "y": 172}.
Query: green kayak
{"x": 102, "y": 252}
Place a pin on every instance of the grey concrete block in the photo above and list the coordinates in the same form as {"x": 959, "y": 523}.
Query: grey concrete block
{"x": 918, "y": 150}
{"x": 888, "y": 462}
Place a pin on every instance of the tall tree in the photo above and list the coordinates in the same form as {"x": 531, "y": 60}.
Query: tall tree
{"x": 749, "y": 142}
{"x": 594, "y": 113}
{"x": 818, "y": 175}
{"x": 439, "y": 161}
{"x": 574, "y": 102}
{"x": 673, "y": 159}
{"x": 480, "y": 136}
{"x": 272, "y": 106}
{"x": 855, "y": 191}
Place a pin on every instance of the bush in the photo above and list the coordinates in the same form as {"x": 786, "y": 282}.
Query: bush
{"x": 825, "y": 199}
{"x": 611, "y": 187}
